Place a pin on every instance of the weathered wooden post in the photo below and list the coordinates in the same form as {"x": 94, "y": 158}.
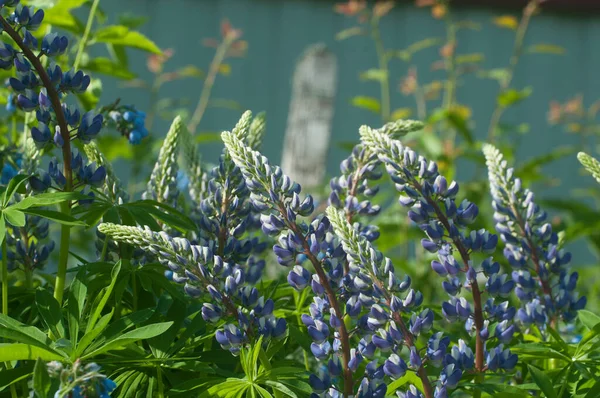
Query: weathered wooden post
{"x": 309, "y": 122}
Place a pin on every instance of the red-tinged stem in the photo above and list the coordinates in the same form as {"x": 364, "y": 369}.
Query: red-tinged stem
{"x": 535, "y": 259}
{"x": 408, "y": 336}
{"x": 466, "y": 258}
{"x": 66, "y": 152}
{"x": 344, "y": 336}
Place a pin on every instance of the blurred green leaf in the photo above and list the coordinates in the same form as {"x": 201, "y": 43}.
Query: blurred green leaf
{"x": 511, "y": 96}
{"x": 544, "y": 48}
{"x": 543, "y": 381}
{"x": 107, "y": 67}
{"x": 347, "y": 33}
{"x": 469, "y": 58}
{"x": 368, "y": 103}
{"x": 374, "y": 74}
{"x": 123, "y": 36}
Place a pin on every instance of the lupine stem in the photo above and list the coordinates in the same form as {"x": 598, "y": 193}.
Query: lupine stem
{"x": 477, "y": 307}
{"x": 514, "y": 59}
{"x": 4, "y": 278}
{"x": 13, "y": 390}
{"x": 408, "y": 336}
{"x": 63, "y": 255}
{"x": 383, "y": 66}
{"x": 66, "y": 152}
{"x": 209, "y": 82}
{"x": 86, "y": 34}
{"x": 344, "y": 336}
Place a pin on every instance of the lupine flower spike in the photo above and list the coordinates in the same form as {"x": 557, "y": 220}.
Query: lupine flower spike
{"x": 545, "y": 286}
{"x": 431, "y": 200}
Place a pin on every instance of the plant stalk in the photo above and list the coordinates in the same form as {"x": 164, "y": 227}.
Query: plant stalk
{"x": 209, "y": 83}
{"x": 86, "y": 34}
{"x": 514, "y": 60}
{"x": 66, "y": 152}
{"x": 383, "y": 67}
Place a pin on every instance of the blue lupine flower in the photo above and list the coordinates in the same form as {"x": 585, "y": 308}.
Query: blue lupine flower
{"x": 53, "y": 44}
{"x": 89, "y": 127}
{"x": 532, "y": 248}
{"x": 26, "y": 17}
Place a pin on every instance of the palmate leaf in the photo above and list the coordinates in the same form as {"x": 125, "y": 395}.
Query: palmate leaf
{"x": 143, "y": 333}
{"x": 14, "y": 330}
{"x": 543, "y": 381}
{"x": 26, "y": 352}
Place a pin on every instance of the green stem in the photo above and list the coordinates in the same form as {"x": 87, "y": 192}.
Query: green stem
{"x": 161, "y": 388}
{"x": 4, "y": 278}
{"x": 510, "y": 71}
{"x": 134, "y": 291}
{"x": 208, "y": 83}
{"x": 86, "y": 34}
{"x": 13, "y": 390}
{"x": 63, "y": 256}
{"x": 28, "y": 278}
{"x": 383, "y": 67}
{"x": 104, "y": 249}
{"x": 478, "y": 380}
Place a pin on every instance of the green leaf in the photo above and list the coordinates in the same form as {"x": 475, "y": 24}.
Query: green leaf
{"x": 41, "y": 379}
{"x": 408, "y": 52}
{"x": 409, "y": 377}
{"x": 12, "y": 376}
{"x": 14, "y": 217}
{"x": 50, "y": 311}
{"x": 545, "y": 48}
{"x": 14, "y": 330}
{"x": 368, "y": 103}
{"x": 26, "y": 352}
{"x": 56, "y": 216}
{"x": 543, "y": 381}
{"x": 594, "y": 392}
{"x": 511, "y": 96}
{"x": 459, "y": 122}
{"x": 90, "y": 336}
{"x": 164, "y": 213}
{"x": 13, "y": 186}
{"x": 2, "y": 230}
{"x": 470, "y": 58}
{"x": 145, "y": 332}
{"x": 123, "y": 36}
{"x": 98, "y": 310}
{"x": 379, "y": 75}
{"x": 76, "y": 302}
{"x": 537, "y": 350}
{"x": 588, "y": 318}
{"x": 47, "y": 199}
{"x": 347, "y": 33}
{"x": 107, "y": 67}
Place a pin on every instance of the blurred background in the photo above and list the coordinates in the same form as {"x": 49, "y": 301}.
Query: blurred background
{"x": 522, "y": 74}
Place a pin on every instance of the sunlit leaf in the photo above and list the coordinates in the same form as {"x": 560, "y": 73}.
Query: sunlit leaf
{"x": 369, "y": 103}
{"x": 506, "y": 21}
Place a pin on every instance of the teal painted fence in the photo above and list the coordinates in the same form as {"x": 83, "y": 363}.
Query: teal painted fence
{"x": 279, "y": 30}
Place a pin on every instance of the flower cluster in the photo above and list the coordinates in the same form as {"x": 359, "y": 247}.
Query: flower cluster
{"x": 431, "y": 199}
{"x": 79, "y": 380}
{"x": 545, "y": 286}
{"x": 224, "y": 214}
{"x": 347, "y": 287}
{"x": 162, "y": 185}
{"x": 128, "y": 121}
{"x": 217, "y": 265}
{"x": 226, "y": 288}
